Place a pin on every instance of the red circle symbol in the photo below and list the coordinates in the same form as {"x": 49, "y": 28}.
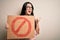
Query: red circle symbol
{"x": 20, "y": 26}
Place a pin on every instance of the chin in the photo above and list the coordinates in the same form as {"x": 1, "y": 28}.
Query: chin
{"x": 28, "y": 13}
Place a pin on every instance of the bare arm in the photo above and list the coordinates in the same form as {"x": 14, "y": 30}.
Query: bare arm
{"x": 37, "y": 26}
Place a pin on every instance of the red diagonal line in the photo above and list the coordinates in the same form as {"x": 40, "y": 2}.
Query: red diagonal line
{"x": 20, "y": 26}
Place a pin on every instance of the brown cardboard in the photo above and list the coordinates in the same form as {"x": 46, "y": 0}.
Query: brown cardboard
{"x": 17, "y": 21}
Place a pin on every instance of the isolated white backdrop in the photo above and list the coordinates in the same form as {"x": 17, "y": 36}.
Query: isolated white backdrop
{"x": 46, "y": 10}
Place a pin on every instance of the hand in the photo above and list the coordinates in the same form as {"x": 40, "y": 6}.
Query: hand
{"x": 7, "y": 25}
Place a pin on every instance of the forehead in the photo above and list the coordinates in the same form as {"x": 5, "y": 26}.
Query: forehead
{"x": 29, "y": 5}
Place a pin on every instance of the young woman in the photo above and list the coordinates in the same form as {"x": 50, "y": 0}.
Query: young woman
{"x": 27, "y": 9}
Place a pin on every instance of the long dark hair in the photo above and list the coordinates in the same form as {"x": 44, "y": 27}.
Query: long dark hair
{"x": 24, "y": 8}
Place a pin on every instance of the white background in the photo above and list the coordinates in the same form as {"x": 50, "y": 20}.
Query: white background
{"x": 48, "y": 12}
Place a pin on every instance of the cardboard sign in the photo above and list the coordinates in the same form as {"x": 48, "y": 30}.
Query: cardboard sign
{"x": 20, "y": 27}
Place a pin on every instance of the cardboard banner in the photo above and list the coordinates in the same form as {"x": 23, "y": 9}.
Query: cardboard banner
{"x": 20, "y": 27}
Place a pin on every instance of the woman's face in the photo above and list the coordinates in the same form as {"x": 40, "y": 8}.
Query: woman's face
{"x": 28, "y": 9}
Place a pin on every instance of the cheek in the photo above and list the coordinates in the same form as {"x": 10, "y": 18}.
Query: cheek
{"x": 29, "y": 10}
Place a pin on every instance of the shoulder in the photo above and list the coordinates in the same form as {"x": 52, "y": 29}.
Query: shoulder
{"x": 37, "y": 19}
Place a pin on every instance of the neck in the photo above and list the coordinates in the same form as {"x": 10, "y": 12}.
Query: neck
{"x": 28, "y": 14}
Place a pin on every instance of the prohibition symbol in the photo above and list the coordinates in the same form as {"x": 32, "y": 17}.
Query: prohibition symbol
{"x": 20, "y": 26}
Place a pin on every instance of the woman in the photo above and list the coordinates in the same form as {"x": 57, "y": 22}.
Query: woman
{"x": 27, "y": 9}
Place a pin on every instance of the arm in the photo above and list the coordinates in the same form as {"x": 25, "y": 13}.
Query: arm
{"x": 37, "y": 26}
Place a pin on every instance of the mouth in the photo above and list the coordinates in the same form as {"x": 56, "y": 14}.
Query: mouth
{"x": 29, "y": 11}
